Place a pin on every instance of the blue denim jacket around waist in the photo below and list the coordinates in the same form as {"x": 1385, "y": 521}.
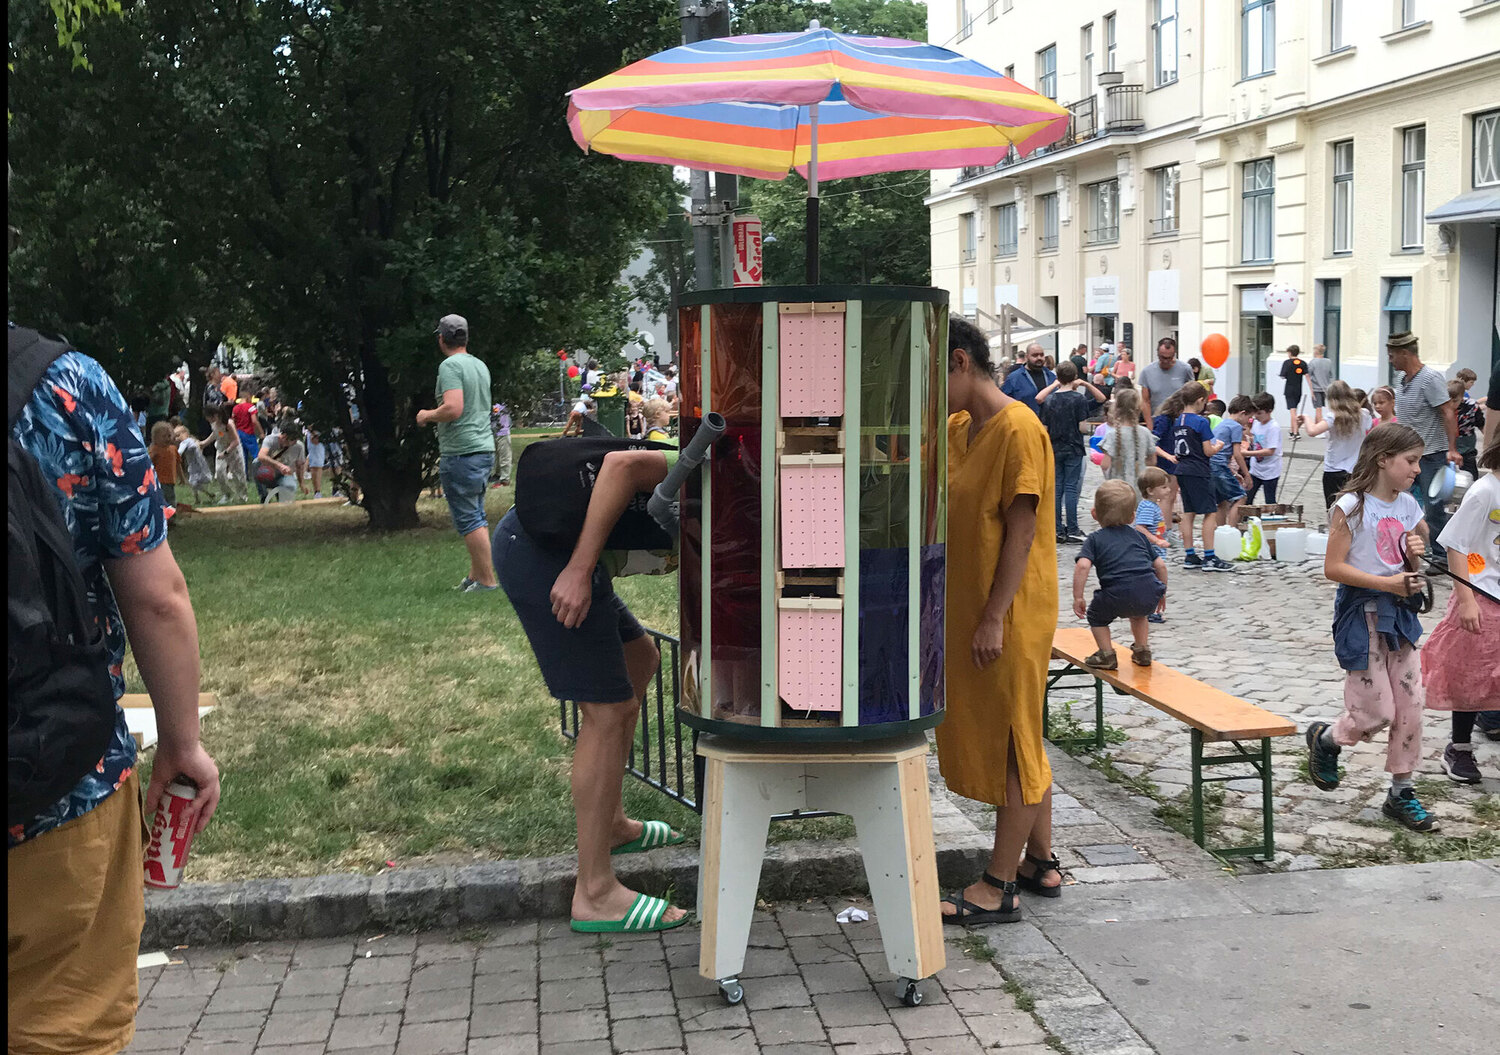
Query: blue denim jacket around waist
{"x": 1351, "y": 633}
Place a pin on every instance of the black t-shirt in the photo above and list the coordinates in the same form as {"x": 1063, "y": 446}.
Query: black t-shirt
{"x": 1492, "y": 401}
{"x": 1293, "y": 370}
{"x": 1038, "y": 377}
{"x": 1061, "y": 413}
{"x": 1082, "y": 364}
{"x": 1119, "y": 554}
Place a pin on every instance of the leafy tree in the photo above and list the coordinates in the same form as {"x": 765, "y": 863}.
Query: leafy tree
{"x": 874, "y": 228}
{"x": 669, "y": 268}
{"x": 352, "y": 171}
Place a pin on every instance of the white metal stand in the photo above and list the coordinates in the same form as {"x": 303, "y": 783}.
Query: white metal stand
{"x": 881, "y": 785}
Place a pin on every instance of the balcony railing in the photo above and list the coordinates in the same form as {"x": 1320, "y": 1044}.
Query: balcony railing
{"x": 969, "y": 255}
{"x": 1122, "y": 113}
{"x": 1164, "y": 225}
{"x": 1047, "y": 241}
{"x": 1005, "y": 249}
{"x": 1101, "y": 235}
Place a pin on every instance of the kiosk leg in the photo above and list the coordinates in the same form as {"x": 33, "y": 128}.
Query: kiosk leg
{"x": 738, "y": 803}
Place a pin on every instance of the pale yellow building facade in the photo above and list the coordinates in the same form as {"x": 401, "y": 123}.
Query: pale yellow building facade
{"x": 1349, "y": 148}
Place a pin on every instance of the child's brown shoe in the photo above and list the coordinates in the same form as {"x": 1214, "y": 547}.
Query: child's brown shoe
{"x": 1104, "y": 659}
{"x": 1140, "y": 655}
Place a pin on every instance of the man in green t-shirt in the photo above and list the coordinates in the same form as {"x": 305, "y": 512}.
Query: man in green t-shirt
{"x": 466, "y": 449}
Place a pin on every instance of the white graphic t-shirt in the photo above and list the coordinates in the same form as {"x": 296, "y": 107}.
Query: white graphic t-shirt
{"x": 1475, "y": 530}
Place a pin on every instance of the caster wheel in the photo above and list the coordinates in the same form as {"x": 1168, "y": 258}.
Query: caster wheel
{"x": 731, "y": 991}
{"x": 911, "y": 991}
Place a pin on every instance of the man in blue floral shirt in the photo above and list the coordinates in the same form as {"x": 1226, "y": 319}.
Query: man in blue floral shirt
{"x": 74, "y": 885}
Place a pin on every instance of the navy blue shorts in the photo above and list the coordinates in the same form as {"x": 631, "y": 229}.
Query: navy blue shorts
{"x": 1197, "y": 495}
{"x": 1125, "y": 600}
{"x": 587, "y": 663}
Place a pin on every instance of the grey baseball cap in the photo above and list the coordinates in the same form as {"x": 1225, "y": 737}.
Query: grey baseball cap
{"x": 453, "y": 329}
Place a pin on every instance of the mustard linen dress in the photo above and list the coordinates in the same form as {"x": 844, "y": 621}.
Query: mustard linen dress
{"x": 1010, "y": 456}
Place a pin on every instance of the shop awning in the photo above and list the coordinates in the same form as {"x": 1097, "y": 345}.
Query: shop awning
{"x": 1477, "y": 206}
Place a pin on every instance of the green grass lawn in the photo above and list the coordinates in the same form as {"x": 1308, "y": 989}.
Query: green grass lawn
{"x": 369, "y": 712}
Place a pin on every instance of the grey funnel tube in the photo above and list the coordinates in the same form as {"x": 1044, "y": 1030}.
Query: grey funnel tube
{"x": 662, "y": 505}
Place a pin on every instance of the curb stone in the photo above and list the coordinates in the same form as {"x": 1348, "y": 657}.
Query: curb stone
{"x": 447, "y": 897}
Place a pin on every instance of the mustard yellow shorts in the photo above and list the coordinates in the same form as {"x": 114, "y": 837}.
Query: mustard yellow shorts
{"x": 76, "y": 905}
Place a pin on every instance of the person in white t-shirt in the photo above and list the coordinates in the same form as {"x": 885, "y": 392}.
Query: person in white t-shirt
{"x": 1264, "y": 454}
{"x": 1346, "y": 424}
{"x": 1376, "y": 539}
{"x": 1461, "y": 660}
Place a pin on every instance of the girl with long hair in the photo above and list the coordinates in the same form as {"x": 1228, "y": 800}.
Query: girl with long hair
{"x": 1346, "y": 422}
{"x": 1383, "y": 402}
{"x": 1457, "y": 676}
{"x": 1128, "y": 446}
{"x": 1376, "y": 538}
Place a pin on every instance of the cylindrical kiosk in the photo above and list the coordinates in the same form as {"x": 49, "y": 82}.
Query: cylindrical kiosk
{"x": 815, "y": 610}
{"x": 812, "y": 582}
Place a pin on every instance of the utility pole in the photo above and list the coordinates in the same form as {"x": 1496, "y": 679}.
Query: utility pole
{"x": 712, "y": 207}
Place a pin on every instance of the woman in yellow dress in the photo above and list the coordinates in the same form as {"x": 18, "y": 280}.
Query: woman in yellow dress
{"x": 1001, "y": 612}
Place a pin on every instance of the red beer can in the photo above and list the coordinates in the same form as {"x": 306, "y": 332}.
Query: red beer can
{"x": 167, "y": 852}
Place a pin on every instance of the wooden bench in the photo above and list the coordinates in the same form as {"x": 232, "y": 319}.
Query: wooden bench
{"x": 1214, "y": 717}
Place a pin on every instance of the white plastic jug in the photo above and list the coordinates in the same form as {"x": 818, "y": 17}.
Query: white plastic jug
{"x": 1227, "y": 541}
{"x": 1317, "y": 544}
{"x": 1291, "y": 544}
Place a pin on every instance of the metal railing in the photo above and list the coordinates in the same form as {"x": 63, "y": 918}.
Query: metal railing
{"x": 1164, "y": 225}
{"x": 664, "y": 754}
{"x": 1122, "y": 113}
{"x": 1101, "y": 235}
{"x": 968, "y": 255}
{"x": 1005, "y": 249}
{"x": 1046, "y": 241}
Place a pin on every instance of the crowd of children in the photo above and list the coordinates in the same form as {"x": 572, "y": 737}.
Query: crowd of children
{"x": 1212, "y": 458}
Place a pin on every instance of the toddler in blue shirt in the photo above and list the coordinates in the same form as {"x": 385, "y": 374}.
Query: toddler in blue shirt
{"x": 1132, "y": 576}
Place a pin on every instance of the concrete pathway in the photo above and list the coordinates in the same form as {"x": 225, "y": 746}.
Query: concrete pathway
{"x": 1373, "y": 961}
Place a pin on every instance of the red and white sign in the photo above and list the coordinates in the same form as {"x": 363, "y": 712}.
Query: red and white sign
{"x": 748, "y": 270}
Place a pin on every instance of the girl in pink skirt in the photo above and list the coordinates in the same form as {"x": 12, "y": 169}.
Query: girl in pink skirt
{"x": 1461, "y": 660}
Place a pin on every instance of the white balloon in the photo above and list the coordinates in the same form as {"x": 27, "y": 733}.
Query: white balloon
{"x": 1281, "y": 299}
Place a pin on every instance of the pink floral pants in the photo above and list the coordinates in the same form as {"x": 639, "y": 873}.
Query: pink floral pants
{"x": 1388, "y": 694}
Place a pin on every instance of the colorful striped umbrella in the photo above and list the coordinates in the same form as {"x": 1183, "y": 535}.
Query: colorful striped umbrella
{"x": 819, "y": 102}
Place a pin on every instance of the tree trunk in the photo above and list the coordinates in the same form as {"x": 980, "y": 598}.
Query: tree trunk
{"x": 390, "y": 497}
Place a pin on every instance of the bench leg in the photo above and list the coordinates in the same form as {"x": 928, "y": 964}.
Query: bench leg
{"x": 1197, "y": 789}
{"x": 1098, "y": 714}
{"x": 1267, "y": 815}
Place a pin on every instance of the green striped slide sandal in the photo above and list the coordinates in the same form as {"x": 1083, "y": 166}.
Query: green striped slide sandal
{"x": 645, "y": 914}
{"x": 653, "y": 834}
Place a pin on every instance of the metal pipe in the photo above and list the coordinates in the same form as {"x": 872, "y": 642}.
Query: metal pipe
{"x": 662, "y": 505}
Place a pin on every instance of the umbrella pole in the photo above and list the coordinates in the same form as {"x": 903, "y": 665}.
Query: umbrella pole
{"x": 812, "y": 200}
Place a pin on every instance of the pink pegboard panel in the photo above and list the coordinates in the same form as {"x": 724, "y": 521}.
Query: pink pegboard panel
{"x": 812, "y": 511}
{"x": 812, "y": 360}
{"x": 809, "y": 654}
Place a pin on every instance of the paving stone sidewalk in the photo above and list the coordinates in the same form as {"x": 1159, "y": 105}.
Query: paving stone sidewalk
{"x": 1263, "y": 633}
{"x": 811, "y": 985}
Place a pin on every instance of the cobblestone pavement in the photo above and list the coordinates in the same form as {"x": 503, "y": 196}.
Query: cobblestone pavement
{"x": 811, "y": 985}
{"x": 1262, "y": 633}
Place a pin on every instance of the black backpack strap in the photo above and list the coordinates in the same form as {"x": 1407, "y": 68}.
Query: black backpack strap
{"x": 30, "y": 356}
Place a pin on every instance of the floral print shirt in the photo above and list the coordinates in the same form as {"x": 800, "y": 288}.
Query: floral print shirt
{"x": 82, "y": 433}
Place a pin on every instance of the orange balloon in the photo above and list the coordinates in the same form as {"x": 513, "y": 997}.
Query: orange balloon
{"x": 1215, "y": 350}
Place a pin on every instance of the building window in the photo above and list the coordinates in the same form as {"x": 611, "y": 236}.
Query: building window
{"x": 1164, "y": 41}
{"x": 1046, "y": 207}
{"x": 1046, "y": 71}
{"x": 1487, "y": 149}
{"x": 968, "y": 237}
{"x": 1395, "y": 313}
{"x": 1411, "y": 13}
{"x": 1102, "y": 223}
{"x": 1258, "y": 211}
{"x": 1164, "y": 218}
{"x": 966, "y": 18}
{"x": 1331, "y": 293}
{"x": 1110, "y": 59}
{"x": 1343, "y": 196}
{"x": 1003, "y": 220}
{"x": 1256, "y": 345}
{"x": 1258, "y": 37}
{"x": 1336, "y": 39}
{"x": 994, "y": 10}
{"x": 1086, "y": 69}
{"x": 1010, "y": 72}
{"x": 1413, "y": 180}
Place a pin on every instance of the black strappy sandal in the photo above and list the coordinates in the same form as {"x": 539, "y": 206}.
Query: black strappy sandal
{"x": 1033, "y": 883}
{"x": 972, "y": 915}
